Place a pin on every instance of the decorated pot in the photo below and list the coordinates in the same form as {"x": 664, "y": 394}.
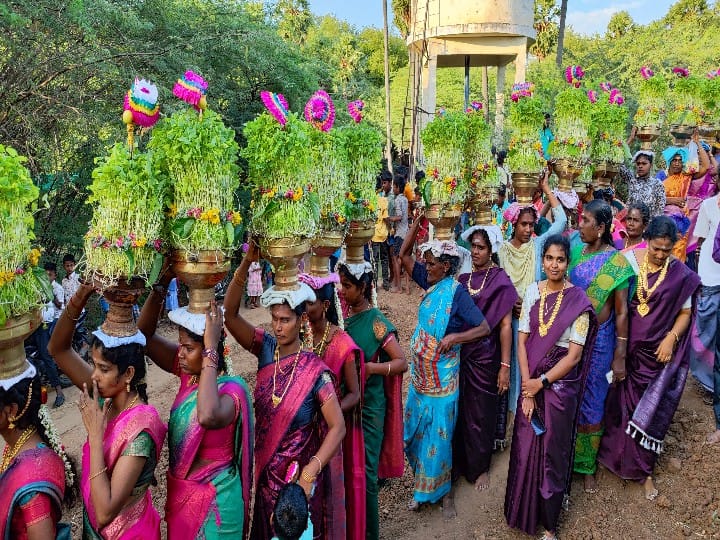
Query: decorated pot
{"x": 524, "y": 185}
{"x": 322, "y": 247}
{"x": 285, "y": 254}
{"x": 681, "y": 133}
{"x": 359, "y": 233}
{"x": 567, "y": 172}
{"x": 200, "y": 271}
{"x": 119, "y": 321}
{"x": 603, "y": 173}
{"x": 12, "y": 346}
{"x": 481, "y": 204}
{"x": 647, "y": 135}
{"x": 443, "y": 219}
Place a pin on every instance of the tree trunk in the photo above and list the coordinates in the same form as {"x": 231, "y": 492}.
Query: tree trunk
{"x": 388, "y": 126}
{"x": 486, "y": 101}
{"x": 561, "y": 33}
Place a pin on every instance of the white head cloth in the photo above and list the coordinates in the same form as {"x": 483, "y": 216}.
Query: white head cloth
{"x": 437, "y": 248}
{"x": 493, "y": 231}
{"x": 648, "y": 153}
{"x": 293, "y": 298}
{"x": 569, "y": 199}
{"x": 195, "y": 322}
{"x": 29, "y": 372}
{"x": 358, "y": 269}
{"x": 113, "y": 341}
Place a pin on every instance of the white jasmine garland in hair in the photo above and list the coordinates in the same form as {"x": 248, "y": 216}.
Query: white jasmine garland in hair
{"x": 338, "y": 308}
{"x": 56, "y": 445}
{"x": 374, "y": 296}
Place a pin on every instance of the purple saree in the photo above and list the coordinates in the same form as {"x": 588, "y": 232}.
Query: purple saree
{"x": 640, "y": 408}
{"x": 479, "y": 426}
{"x": 289, "y": 431}
{"x": 540, "y": 465}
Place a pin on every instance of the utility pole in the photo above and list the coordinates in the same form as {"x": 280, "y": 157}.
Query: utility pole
{"x": 388, "y": 126}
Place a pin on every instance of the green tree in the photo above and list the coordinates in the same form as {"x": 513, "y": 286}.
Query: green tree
{"x": 619, "y": 24}
{"x": 370, "y": 43}
{"x": 546, "y": 27}
{"x": 293, "y": 19}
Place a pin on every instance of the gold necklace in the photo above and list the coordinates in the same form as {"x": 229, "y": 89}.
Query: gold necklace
{"x": 276, "y": 400}
{"x": 132, "y": 402}
{"x": 319, "y": 348}
{"x": 470, "y": 289}
{"x": 544, "y": 327}
{"x": 11, "y": 453}
{"x": 643, "y": 291}
{"x": 193, "y": 380}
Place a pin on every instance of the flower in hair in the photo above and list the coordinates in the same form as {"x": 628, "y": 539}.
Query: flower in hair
{"x": 141, "y": 104}
{"x": 320, "y": 111}
{"x": 355, "y": 109}
{"x": 191, "y": 88}
{"x": 276, "y": 104}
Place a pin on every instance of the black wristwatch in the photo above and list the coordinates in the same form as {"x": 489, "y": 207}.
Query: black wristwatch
{"x": 545, "y": 382}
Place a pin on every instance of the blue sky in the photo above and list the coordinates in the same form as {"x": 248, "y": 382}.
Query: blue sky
{"x": 585, "y": 16}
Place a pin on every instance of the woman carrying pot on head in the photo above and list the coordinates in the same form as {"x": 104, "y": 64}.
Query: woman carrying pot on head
{"x": 447, "y": 319}
{"x": 339, "y": 352}
{"x": 35, "y": 474}
{"x": 485, "y": 363}
{"x": 384, "y": 364}
{"x": 643, "y": 187}
{"x": 300, "y": 424}
{"x": 641, "y": 405}
{"x": 210, "y": 432}
{"x": 125, "y": 434}
{"x": 556, "y": 334}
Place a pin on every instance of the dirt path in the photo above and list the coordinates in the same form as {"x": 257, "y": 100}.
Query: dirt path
{"x": 688, "y": 474}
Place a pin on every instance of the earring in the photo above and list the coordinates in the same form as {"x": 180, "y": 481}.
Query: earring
{"x": 127, "y": 386}
{"x": 599, "y": 235}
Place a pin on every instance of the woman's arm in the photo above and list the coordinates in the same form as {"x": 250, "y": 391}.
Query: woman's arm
{"x": 664, "y": 352}
{"x": 161, "y": 350}
{"x": 621, "y": 331}
{"x": 38, "y": 517}
{"x": 336, "y": 432}
{"x": 406, "y": 249}
{"x": 213, "y": 410}
{"x": 703, "y": 155}
{"x": 60, "y": 344}
{"x": 352, "y": 386}
{"x": 397, "y": 364}
{"x": 458, "y": 338}
{"x": 239, "y": 328}
{"x": 505, "y": 352}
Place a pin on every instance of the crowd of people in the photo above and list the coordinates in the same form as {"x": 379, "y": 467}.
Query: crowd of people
{"x": 573, "y": 321}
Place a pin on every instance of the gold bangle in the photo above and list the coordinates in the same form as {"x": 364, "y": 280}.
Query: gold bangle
{"x": 677, "y": 338}
{"x": 309, "y": 479}
{"x": 67, "y": 312}
{"x": 319, "y": 462}
{"x": 98, "y": 473}
{"x": 388, "y": 373}
{"x": 621, "y": 338}
{"x": 505, "y": 364}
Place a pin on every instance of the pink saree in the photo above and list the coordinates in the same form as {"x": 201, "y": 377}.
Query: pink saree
{"x": 139, "y": 520}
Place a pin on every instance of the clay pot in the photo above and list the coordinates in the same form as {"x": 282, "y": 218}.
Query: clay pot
{"x": 12, "y": 346}
{"x": 119, "y": 321}
{"x": 285, "y": 254}
{"x": 359, "y": 233}
{"x": 200, "y": 271}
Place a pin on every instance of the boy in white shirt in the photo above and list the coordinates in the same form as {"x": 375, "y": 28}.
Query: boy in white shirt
{"x": 50, "y": 314}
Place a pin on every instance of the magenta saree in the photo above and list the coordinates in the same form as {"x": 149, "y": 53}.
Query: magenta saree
{"x": 349, "y": 520}
{"x": 290, "y": 431}
{"x": 140, "y": 519}
{"x": 640, "y": 408}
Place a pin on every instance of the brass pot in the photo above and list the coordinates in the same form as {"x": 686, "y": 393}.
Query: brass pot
{"x": 481, "y": 204}
{"x": 321, "y": 248}
{"x": 359, "y": 234}
{"x": 524, "y": 185}
{"x": 285, "y": 254}
{"x": 681, "y": 133}
{"x": 12, "y": 346}
{"x": 443, "y": 220}
{"x": 567, "y": 172}
{"x": 708, "y": 133}
{"x": 119, "y": 321}
{"x": 200, "y": 271}
{"x": 603, "y": 173}
{"x": 647, "y": 135}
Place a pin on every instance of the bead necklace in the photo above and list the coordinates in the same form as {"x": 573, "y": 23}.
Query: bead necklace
{"x": 470, "y": 289}
{"x": 643, "y": 291}
{"x": 319, "y": 349}
{"x": 544, "y": 327}
{"x": 11, "y": 453}
{"x": 276, "y": 400}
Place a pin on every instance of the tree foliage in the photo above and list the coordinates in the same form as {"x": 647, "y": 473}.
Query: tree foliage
{"x": 546, "y": 27}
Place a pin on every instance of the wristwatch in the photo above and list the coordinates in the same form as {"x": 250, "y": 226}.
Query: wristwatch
{"x": 545, "y": 382}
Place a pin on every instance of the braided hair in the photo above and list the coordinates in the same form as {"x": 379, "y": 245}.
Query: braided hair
{"x": 124, "y": 356}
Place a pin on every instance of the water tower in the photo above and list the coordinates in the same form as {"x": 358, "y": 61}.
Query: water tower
{"x": 465, "y": 33}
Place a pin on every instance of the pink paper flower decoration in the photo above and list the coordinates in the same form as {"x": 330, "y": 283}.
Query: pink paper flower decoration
{"x": 605, "y": 86}
{"x": 592, "y": 96}
{"x": 646, "y": 72}
{"x": 681, "y": 71}
{"x": 616, "y": 98}
{"x": 573, "y": 75}
{"x": 355, "y": 109}
{"x": 141, "y": 103}
{"x": 191, "y": 88}
{"x": 520, "y": 90}
{"x": 320, "y": 111}
{"x": 475, "y": 106}
{"x": 276, "y": 104}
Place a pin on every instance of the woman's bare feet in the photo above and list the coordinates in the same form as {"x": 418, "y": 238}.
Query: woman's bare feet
{"x": 448, "y": 506}
{"x": 651, "y": 491}
{"x": 591, "y": 485}
{"x": 483, "y": 482}
{"x": 714, "y": 437}
{"x": 413, "y": 505}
